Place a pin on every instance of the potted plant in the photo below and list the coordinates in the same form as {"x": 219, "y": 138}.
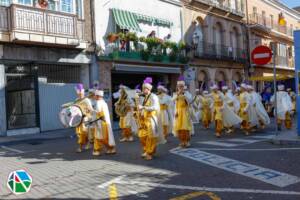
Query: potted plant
{"x": 183, "y": 59}
{"x": 112, "y": 37}
{"x": 158, "y": 57}
{"x": 172, "y": 57}
{"x": 145, "y": 54}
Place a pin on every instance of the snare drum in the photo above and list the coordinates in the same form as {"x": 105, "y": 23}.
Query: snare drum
{"x": 71, "y": 116}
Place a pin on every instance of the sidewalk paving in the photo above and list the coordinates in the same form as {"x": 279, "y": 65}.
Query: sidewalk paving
{"x": 286, "y": 137}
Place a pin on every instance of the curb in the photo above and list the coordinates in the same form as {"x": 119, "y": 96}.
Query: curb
{"x": 41, "y": 137}
{"x": 285, "y": 142}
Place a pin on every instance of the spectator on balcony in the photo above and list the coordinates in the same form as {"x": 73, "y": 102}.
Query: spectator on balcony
{"x": 167, "y": 38}
{"x": 151, "y": 35}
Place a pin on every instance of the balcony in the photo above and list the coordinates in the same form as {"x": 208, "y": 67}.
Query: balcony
{"x": 269, "y": 24}
{"x": 23, "y": 24}
{"x": 222, "y": 7}
{"x": 212, "y": 51}
{"x": 285, "y": 62}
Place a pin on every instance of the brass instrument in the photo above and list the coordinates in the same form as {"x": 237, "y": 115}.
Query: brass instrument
{"x": 122, "y": 107}
{"x": 140, "y": 120}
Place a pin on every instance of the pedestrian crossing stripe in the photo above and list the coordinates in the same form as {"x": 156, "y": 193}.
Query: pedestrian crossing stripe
{"x": 236, "y": 141}
{"x": 245, "y": 169}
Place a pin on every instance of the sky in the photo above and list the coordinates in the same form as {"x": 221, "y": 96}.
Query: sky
{"x": 291, "y": 3}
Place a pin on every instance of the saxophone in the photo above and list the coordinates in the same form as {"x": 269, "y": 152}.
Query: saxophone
{"x": 140, "y": 119}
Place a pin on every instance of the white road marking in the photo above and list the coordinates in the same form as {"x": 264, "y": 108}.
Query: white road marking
{"x": 195, "y": 188}
{"x": 263, "y": 136}
{"x": 243, "y": 140}
{"x": 274, "y": 149}
{"x": 216, "y": 143}
{"x": 12, "y": 149}
{"x": 240, "y": 141}
{"x": 270, "y": 176}
{"x": 114, "y": 180}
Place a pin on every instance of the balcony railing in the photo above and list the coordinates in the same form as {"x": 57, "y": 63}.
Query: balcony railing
{"x": 285, "y": 62}
{"x": 206, "y": 50}
{"x": 269, "y": 23}
{"x": 236, "y": 8}
{"x": 19, "y": 19}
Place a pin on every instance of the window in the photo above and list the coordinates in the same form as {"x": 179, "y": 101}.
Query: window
{"x": 272, "y": 21}
{"x": 66, "y": 6}
{"x": 4, "y": 2}
{"x": 25, "y": 2}
{"x": 52, "y": 5}
{"x": 254, "y": 10}
{"x": 263, "y": 14}
{"x": 79, "y": 8}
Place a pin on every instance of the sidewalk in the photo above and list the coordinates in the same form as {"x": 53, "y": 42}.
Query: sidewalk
{"x": 287, "y": 137}
{"x": 49, "y": 135}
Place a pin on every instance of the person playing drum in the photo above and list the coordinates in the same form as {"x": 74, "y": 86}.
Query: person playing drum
{"x": 81, "y": 129}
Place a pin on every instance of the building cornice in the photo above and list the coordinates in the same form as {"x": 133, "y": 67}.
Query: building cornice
{"x": 281, "y": 6}
{"x": 176, "y": 3}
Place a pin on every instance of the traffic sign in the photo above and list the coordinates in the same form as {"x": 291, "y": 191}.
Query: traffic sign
{"x": 261, "y": 55}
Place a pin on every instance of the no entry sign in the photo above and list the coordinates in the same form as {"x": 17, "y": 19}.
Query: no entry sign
{"x": 261, "y": 55}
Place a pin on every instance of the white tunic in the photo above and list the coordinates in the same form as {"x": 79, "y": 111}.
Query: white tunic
{"x": 166, "y": 116}
{"x": 284, "y": 104}
{"x": 101, "y": 106}
{"x": 259, "y": 108}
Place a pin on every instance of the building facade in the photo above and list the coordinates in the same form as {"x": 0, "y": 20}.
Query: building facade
{"x": 42, "y": 55}
{"x": 272, "y": 24}
{"x": 215, "y": 31}
{"x": 158, "y": 22}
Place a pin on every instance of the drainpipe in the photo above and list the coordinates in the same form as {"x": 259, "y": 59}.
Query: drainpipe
{"x": 94, "y": 68}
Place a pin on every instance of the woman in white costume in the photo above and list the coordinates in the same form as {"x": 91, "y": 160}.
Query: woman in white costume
{"x": 103, "y": 136}
{"x": 284, "y": 107}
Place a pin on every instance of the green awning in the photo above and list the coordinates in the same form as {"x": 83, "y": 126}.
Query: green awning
{"x": 125, "y": 19}
{"x": 129, "y": 20}
{"x": 145, "y": 18}
{"x": 163, "y": 22}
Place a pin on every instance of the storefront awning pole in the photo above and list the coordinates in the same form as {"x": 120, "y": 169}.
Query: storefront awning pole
{"x": 275, "y": 88}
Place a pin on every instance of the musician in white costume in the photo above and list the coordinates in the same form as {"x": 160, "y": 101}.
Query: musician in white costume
{"x": 166, "y": 110}
{"x": 149, "y": 132}
{"x": 196, "y": 107}
{"x": 103, "y": 135}
{"x": 244, "y": 108}
{"x": 253, "y": 117}
{"x": 284, "y": 107}
{"x": 82, "y": 129}
{"x": 230, "y": 109}
{"x": 183, "y": 125}
{"x": 91, "y": 127}
{"x": 261, "y": 112}
{"x": 124, "y": 108}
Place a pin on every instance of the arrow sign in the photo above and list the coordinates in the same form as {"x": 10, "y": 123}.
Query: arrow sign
{"x": 261, "y": 55}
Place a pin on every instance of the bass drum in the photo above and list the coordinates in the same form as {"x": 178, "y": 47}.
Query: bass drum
{"x": 71, "y": 117}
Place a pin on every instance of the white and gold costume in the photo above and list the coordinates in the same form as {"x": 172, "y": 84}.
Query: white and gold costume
{"x": 103, "y": 135}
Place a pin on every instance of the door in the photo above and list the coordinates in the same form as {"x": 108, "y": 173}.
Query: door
{"x": 21, "y": 101}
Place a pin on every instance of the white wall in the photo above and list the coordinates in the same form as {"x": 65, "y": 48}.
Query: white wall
{"x": 2, "y": 100}
{"x": 156, "y": 8}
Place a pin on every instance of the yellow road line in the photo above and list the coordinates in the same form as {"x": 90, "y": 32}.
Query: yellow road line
{"x": 113, "y": 193}
{"x": 192, "y": 195}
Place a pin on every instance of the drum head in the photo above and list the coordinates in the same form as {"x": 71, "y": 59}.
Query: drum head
{"x": 71, "y": 116}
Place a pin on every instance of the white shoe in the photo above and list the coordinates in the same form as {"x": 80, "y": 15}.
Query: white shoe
{"x": 96, "y": 153}
{"x": 130, "y": 139}
{"x": 79, "y": 150}
{"x": 123, "y": 140}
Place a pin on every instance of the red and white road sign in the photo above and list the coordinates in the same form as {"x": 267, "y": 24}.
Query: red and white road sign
{"x": 261, "y": 55}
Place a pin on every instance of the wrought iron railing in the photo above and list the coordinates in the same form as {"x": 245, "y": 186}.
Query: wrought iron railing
{"x": 270, "y": 23}
{"x": 220, "y": 52}
{"x": 237, "y": 7}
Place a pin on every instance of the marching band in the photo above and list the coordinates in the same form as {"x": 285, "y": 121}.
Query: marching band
{"x": 153, "y": 117}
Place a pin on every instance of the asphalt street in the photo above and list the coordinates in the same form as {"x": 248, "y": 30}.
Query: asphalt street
{"x": 235, "y": 167}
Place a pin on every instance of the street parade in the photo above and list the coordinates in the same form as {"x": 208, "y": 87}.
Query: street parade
{"x": 153, "y": 117}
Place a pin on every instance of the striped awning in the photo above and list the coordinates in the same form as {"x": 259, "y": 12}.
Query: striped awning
{"x": 129, "y": 20}
{"x": 126, "y": 20}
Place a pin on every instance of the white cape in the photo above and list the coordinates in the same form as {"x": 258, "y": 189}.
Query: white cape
{"x": 101, "y": 106}
{"x": 260, "y": 109}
